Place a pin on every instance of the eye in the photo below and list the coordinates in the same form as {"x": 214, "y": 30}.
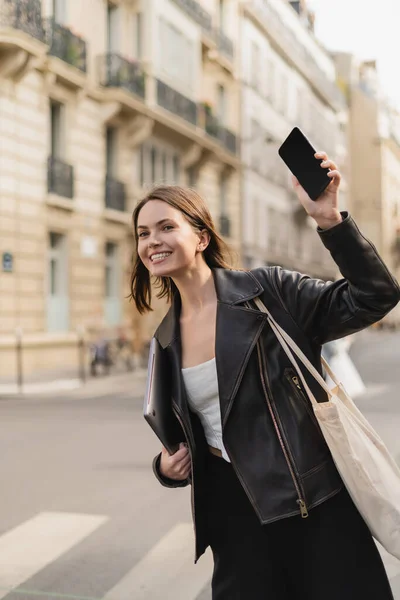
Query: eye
{"x": 142, "y": 234}
{"x": 167, "y": 227}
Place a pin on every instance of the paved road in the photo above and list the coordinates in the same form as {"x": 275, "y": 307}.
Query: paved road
{"x": 82, "y": 517}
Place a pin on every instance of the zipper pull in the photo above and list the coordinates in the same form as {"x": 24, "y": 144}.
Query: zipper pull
{"x": 296, "y": 382}
{"x": 303, "y": 508}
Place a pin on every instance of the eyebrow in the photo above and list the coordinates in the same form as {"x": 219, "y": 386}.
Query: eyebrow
{"x": 158, "y": 223}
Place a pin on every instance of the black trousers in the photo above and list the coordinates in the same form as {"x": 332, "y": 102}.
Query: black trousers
{"x": 328, "y": 556}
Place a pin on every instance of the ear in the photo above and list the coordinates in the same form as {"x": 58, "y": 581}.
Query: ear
{"x": 204, "y": 240}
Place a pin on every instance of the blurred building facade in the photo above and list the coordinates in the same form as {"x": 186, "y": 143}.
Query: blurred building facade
{"x": 288, "y": 80}
{"x": 99, "y": 101}
{"x": 374, "y": 145}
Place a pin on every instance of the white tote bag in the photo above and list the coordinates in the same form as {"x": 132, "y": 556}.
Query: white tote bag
{"x": 369, "y": 472}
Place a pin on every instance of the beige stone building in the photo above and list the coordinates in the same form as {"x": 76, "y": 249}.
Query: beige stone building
{"x": 374, "y": 144}
{"x": 289, "y": 80}
{"x": 98, "y": 101}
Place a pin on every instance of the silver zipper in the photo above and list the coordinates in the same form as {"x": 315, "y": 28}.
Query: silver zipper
{"x": 188, "y": 438}
{"x": 300, "y": 501}
{"x": 294, "y": 381}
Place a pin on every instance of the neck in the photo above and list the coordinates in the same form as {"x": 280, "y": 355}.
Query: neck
{"x": 196, "y": 289}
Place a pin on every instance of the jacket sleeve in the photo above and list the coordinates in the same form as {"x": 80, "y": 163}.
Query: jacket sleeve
{"x": 330, "y": 310}
{"x": 165, "y": 481}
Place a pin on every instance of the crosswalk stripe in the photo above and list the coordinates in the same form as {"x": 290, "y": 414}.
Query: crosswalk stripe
{"x": 167, "y": 571}
{"x": 34, "y": 544}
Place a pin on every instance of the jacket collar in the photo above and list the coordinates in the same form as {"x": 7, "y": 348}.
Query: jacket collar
{"x": 232, "y": 287}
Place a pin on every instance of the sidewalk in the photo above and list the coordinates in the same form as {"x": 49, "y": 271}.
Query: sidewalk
{"x": 102, "y": 385}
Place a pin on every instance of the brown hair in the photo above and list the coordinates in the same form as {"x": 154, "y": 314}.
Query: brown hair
{"x": 196, "y": 212}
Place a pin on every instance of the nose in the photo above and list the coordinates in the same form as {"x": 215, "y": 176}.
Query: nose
{"x": 153, "y": 242}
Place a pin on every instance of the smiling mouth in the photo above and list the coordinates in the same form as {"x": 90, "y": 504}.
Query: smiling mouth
{"x": 158, "y": 258}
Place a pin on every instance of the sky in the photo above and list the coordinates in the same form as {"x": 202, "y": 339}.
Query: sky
{"x": 368, "y": 29}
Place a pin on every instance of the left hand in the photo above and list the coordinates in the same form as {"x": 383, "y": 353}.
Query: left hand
{"x": 325, "y": 210}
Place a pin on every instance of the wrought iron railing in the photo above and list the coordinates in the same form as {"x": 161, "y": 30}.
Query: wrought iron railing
{"x": 66, "y": 45}
{"x": 196, "y": 12}
{"x": 211, "y": 124}
{"x": 115, "y": 195}
{"x": 224, "y": 43}
{"x": 25, "y": 15}
{"x": 176, "y": 102}
{"x": 225, "y": 225}
{"x": 228, "y": 139}
{"x": 221, "y": 133}
{"x": 116, "y": 71}
{"x": 60, "y": 177}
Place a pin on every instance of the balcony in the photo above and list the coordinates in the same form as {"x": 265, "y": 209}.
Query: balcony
{"x": 224, "y": 44}
{"x": 66, "y": 45}
{"x": 23, "y": 15}
{"x": 296, "y": 53}
{"x": 219, "y": 132}
{"x": 116, "y": 71}
{"x": 176, "y": 103}
{"x": 228, "y": 139}
{"x": 196, "y": 12}
{"x": 60, "y": 178}
{"x": 225, "y": 225}
{"x": 115, "y": 195}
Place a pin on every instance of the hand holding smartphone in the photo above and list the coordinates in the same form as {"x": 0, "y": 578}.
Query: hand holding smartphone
{"x": 298, "y": 154}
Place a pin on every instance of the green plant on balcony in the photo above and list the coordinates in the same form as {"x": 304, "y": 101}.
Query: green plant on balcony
{"x": 124, "y": 72}
{"x": 205, "y": 113}
{"x": 73, "y": 53}
{"x": 208, "y": 108}
{"x": 141, "y": 82}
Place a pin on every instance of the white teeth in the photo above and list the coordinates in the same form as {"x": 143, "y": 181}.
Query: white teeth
{"x": 161, "y": 255}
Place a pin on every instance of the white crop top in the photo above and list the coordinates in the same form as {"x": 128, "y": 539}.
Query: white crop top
{"x": 201, "y": 385}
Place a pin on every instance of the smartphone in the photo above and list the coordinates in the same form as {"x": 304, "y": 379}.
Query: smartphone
{"x": 298, "y": 154}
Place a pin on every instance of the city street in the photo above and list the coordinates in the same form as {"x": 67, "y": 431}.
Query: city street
{"x": 82, "y": 516}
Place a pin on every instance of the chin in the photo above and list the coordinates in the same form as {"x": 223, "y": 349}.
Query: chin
{"x": 161, "y": 271}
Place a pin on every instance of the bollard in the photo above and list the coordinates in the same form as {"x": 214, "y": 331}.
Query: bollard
{"x": 81, "y": 354}
{"x": 18, "y": 347}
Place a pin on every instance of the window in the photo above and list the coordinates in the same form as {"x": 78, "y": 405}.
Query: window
{"x": 223, "y": 189}
{"x": 284, "y": 101}
{"x": 270, "y": 79}
{"x": 222, "y": 108}
{"x": 57, "y": 113}
{"x": 221, "y": 14}
{"x": 192, "y": 176}
{"x": 111, "y": 151}
{"x": 176, "y": 168}
{"x": 138, "y": 35}
{"x": 272, "y": 231}
{"x": 256, "y": 139}
{"x": 272, "y": 84}
{"x": 112, "y": 28}
{"x": 177, "y": 54}
{"x": 153, "y": 158}
{"x": 164, "y": 166}
{"x": 57, "y": 288}
{"x": 59, "y": 10}
{"x": 158, "y": 162}
{"x": 142, "y": 165}
{"x": 255, "y": 67}
{"x": 112, "y": 298}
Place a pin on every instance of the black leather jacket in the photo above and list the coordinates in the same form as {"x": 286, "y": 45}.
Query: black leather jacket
{"x": 269, "y": 431}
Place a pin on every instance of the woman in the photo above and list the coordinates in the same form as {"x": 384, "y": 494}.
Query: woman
{"x": 266, "y": 495}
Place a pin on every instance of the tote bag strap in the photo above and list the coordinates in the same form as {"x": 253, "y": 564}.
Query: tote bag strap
{"x": 291, "y": 347}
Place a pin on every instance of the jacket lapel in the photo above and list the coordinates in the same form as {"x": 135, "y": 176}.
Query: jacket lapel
{"x": 237, "y": 331}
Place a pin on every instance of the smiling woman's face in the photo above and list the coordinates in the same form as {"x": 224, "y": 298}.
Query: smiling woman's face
{"x": 167, "y": 243}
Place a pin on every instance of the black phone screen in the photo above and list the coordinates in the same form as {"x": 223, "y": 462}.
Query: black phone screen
{"x": 298, "y": 154}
